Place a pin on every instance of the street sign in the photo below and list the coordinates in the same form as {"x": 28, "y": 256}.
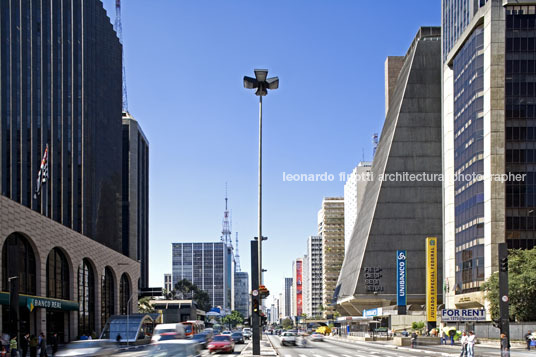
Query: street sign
{"x": 505, "y": 298}
{"x": 373, "y": 312}
{"x": 255, "y": 292}
{"x": 463, "y": 315}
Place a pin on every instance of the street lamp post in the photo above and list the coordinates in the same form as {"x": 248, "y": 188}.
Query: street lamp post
{"x": 261, "y": 83}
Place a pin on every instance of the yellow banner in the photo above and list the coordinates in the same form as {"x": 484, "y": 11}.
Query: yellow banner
{"x": 431, "y": 278}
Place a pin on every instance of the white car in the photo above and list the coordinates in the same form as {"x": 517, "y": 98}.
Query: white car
{"x": 247, "y": 333}
{"x": 167, "y": 329}
{"x": 288, "y": 338}
{"x": 317, "y": 337}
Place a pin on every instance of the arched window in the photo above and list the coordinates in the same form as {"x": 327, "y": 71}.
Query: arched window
{"x": 18, "y": 259}
{"x": 107, "y": 295}
{"x": 86, "y": 298}
{"x": 57, "y": 275}
{"x": 124, "y": 294}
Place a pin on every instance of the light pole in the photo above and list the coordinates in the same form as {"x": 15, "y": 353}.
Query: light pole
{"x": 261, "y": 84}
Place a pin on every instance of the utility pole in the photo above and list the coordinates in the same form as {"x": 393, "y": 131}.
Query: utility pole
{"x": 255, "y": 300}
{"x": 504, "y": 323}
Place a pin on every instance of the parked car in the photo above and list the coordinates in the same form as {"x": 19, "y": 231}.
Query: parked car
{"x": 89, "y": 348}
{"x": 288, "y": 338}
{"x": 317, "y": 337}
{"x": 221, "y": 343}
{"x": 202, "y": 339}
{"x": 247, "y": 333}
{"x": 237, "y": 337}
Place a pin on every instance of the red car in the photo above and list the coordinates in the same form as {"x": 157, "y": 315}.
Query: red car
{"x": 221, "y": 343}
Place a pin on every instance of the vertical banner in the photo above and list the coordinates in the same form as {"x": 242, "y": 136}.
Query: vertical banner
{"x": 401, "y": 280}
{"x": 299, "y": 273}
{"x": 431, "y": 279}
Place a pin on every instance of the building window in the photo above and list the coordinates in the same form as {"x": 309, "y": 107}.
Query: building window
{"x": 107, "y": 295}
{"x": 124, "y": 294}
{"x": 18, "y": 259}
{"x": 86, "y": 299}
{"x": 57, "y": 275}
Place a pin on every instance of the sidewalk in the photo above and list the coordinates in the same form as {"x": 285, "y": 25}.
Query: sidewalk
{"x": 266, "y": 348}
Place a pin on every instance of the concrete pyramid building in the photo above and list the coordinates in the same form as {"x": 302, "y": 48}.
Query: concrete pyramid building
{"x": 398, "y": 213}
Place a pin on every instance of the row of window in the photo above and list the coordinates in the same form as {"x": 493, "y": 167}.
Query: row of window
{"x": 520, "y": 156}
{"x": 522, "y": 111}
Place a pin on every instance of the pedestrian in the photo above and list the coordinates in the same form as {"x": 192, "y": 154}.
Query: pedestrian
{"x": 414, "y": 339}
{"x": 118, "y": 338}
{"x": 505, "y": 346}
{"x": 34, "y": 344}
{"x": 54, "y": 343}
{"x": 24, "y": 344}
{"x": 42, "y": 345}
{"x": 5, "y": 341}
{"x": 463, "y": 341}
{"x": 13, "y": 346}
{"x": 471, "y": 340}
{"x": 528, "y": 339}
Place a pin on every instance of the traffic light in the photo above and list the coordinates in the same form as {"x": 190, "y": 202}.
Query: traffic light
{"x": 263, "y": 292}
{"x": 504, "y": 264}
{"x": 263, "y": 320}
{"x": 256, "y": 305}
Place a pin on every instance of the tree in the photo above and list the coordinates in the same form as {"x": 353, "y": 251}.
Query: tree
{"x": 185, "y": 289}
{"x": 233, "y": 319}
{"x": 521, "y": 286}
{"x": 144, "y": 305}
{"x": 202, "y": 299}
{"x": 417, "y": 325}
{"x": 287, "y": 324}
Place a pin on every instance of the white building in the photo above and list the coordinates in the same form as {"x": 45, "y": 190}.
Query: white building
{"x": 168, "y": 283}
{"x": 286, "y": 310}
{"x": 354, "y": 191}
{"x": 306, "y": 287}
{"x": 313, "y": 271}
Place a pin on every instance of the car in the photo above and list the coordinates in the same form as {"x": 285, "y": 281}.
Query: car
{"x": 226, "y": 332}
{"x": 221, "y": 343}
{"x": 317, "y": 337}
{"x": 171, "y": 348}
{"x": 247, "y": 333}
{"x": 202, "y": 339}
{"x": 237, "y": 337}
{"x": 95, "y": 347}
{"x": 172, "y": 331}
{"x": 288, "y": 338}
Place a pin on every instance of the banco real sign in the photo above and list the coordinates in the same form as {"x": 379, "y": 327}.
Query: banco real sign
{"x": 463, "y": 315}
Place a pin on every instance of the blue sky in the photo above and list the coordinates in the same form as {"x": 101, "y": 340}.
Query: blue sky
{"x": 185, "y": 61}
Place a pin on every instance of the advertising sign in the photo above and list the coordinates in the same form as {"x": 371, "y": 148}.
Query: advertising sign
{"x": 453, "y": 315}
{"x": 299, "y": 273}
{"x": 401, "y": 277}
{"x": 431, "y": 279}
{"x": 373, "y": 312}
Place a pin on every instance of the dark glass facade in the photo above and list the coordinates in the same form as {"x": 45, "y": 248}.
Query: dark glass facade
{"x": 57, "y": 275}
{"x": 124, "y": 295}
{"x": 86, "y": 299}
{"x": 468, "y": 162}
{"x": 107, "y": 296}
{"x": 18, "y": 259}
{"x": 520, "y": 122}
{"x": 61, "y": 84}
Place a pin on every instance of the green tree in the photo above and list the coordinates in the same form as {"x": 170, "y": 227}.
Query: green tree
{"x": 202, "y": 299}
{"x": 144, "y": 305}
{"x": 521, "y": 286}
{"x": 185, "y": 289}
{"x": 417, "y": 325}
{"x": 287, "y": 324}
{"x": 233, "y": 319}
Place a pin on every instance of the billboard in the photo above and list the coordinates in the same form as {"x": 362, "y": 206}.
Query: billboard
{"x": 463, "y": 315}
{"x": 401, "y": 271}
{"x": 299, "y": 294}
{"x": 431, "y": 279}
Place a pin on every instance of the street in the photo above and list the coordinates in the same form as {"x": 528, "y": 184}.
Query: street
{"x": 330, "y": 348}
{"x": 238, "y": 349}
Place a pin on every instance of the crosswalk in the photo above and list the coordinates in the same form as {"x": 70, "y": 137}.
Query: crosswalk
{"x": 354, "y": 354}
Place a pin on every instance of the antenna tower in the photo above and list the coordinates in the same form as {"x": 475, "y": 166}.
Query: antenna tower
{"x": 226, "y": 229}
{"x": 119, "y": 30}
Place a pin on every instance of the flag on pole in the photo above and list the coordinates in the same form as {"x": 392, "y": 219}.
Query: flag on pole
{"x": 42, "y": 175}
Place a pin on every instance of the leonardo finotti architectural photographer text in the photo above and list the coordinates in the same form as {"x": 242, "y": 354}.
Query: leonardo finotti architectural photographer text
{"x": 400, "y": 177}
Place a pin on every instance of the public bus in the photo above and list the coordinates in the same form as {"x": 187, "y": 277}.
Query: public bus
{"x": 192, "y": 327}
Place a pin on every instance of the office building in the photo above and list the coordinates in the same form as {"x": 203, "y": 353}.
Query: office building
{"x": 286, "y": 303}
{"x": 354, "y": 190}
{"x": 168, "y": 283}
{"x": 136, "y": 195}
{"x": 306, "y": 294}
{"x": 60, "y": 86}
{"x": 489, "y": 114}
{"x": 207, "y": 266}
{"x": 241, "y": 293}
{"x": 399, "y": 211}
{"x": 331, "y": 229}
{"x": 314, "y": 276}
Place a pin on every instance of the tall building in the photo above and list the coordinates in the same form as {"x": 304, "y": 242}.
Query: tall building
{"x": 314, "y": 274}
{"x": 400, "y": 209}
{"x": 168, "y": 283}
{"x": 286, "y": 311}
{"x": 241, "y": 293}
{"x": 354, "y": 191}
{"x": 331, "y": 229}
{"x": 306, "y": 293}
{"x": 297, "y": 287}
{"x": 488, "y": 129}
{"x": 205, "y": 265}
{"x": 60, "y": 87}
{"x": 136, "y": 195}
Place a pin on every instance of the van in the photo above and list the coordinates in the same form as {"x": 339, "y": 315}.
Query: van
{"x": 175, "y": 330}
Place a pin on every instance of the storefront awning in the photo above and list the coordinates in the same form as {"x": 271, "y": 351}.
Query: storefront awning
{"x": 32, "y": 302}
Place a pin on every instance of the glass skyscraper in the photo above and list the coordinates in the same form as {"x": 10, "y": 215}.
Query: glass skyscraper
{"x": 61, "y": 85}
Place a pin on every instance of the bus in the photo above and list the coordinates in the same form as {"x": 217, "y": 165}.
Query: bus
{"x": 192, "y": 327}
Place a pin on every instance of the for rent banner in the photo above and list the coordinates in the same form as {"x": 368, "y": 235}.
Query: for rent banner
{"x": 431, "y": 279}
